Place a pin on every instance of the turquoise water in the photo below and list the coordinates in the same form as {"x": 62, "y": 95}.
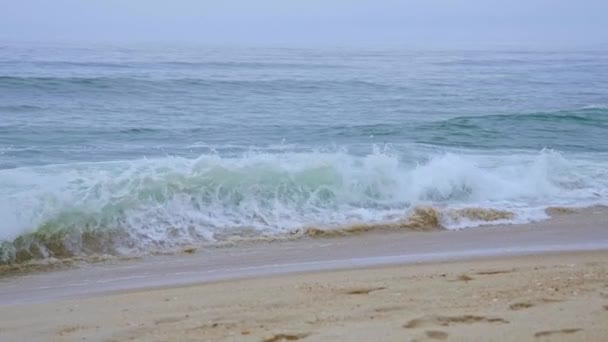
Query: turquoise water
{"x": 153, "y": 147}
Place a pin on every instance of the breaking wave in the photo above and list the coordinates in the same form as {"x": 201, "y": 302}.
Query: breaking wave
{"x": 125, "y": 207}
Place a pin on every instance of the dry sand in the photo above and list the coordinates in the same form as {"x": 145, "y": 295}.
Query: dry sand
{"x": 295, "y": 291}
{"x": 545, "y": 297}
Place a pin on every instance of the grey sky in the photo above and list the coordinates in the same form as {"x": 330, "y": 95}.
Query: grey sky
{"x": 310, "y": 22}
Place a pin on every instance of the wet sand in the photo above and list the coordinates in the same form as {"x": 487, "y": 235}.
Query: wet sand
{"x": 542, "y": 281}
{"x": 546, "y": 297}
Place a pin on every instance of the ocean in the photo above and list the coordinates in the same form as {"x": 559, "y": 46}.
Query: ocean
{"x": 131, "y": 149}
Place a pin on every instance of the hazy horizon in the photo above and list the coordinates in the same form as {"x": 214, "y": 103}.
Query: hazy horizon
{"x": 540, "y": 23}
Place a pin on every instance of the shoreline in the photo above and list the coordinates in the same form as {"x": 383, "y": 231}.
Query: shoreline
{"x": 541, "y": 281}
{"x": 39, "y": 251}
{"x": 583, "y": 229}
{"x": 544, "y": 297}
{"x": 421, "y": 219}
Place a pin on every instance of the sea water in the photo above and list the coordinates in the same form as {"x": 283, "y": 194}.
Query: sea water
{"x": 123, "y": 149}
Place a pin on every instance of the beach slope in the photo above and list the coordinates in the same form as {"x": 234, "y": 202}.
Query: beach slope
{"x": 561, "y": 296}
{"x": 541, "y": 281}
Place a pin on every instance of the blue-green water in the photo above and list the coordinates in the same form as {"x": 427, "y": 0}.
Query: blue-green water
{"x": 170, "y": 145}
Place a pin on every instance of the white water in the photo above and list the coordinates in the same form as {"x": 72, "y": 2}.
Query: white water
{"x": 174, "y": 200}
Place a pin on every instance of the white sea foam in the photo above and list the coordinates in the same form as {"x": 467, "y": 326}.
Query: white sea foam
{"x": 174, "y": 200}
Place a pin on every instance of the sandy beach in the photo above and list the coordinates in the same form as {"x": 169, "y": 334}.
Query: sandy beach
{"x": 397, "y": 287}
{"x": 547, "y": 297}
{"x": 303, "y": 171}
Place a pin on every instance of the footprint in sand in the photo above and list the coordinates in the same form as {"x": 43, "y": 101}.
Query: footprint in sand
{"x": 448, "y": 320}
{"x": 467, "y": 278}
{"x": 464, "y": 277}
{"x": 436, "y": 334}
{"x": 364, "y": 290}
{"x": 493, "y": 272}
{"x": 66, "y": 330}
{"x": 556, "y": 332}
{"x": 520, "y": 306}
{"x": 529, "y": 304}
{"x": 389, "y": 309}
{"x": 168, "y": 320}
{"x": 286, "y": 337}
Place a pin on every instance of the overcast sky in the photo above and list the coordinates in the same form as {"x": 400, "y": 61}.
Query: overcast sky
{"x": 310, "y": 22}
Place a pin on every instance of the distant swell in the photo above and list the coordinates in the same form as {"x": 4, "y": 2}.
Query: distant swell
{"x": 590, "y": 116}
{"x": 135, "y": 83}
{"x": 558, "y": 130}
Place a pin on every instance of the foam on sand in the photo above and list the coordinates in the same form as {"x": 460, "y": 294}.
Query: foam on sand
{"x": 421, "y": 218}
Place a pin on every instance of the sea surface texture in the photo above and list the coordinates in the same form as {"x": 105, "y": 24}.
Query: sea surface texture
{"x": 129, "y": 149}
